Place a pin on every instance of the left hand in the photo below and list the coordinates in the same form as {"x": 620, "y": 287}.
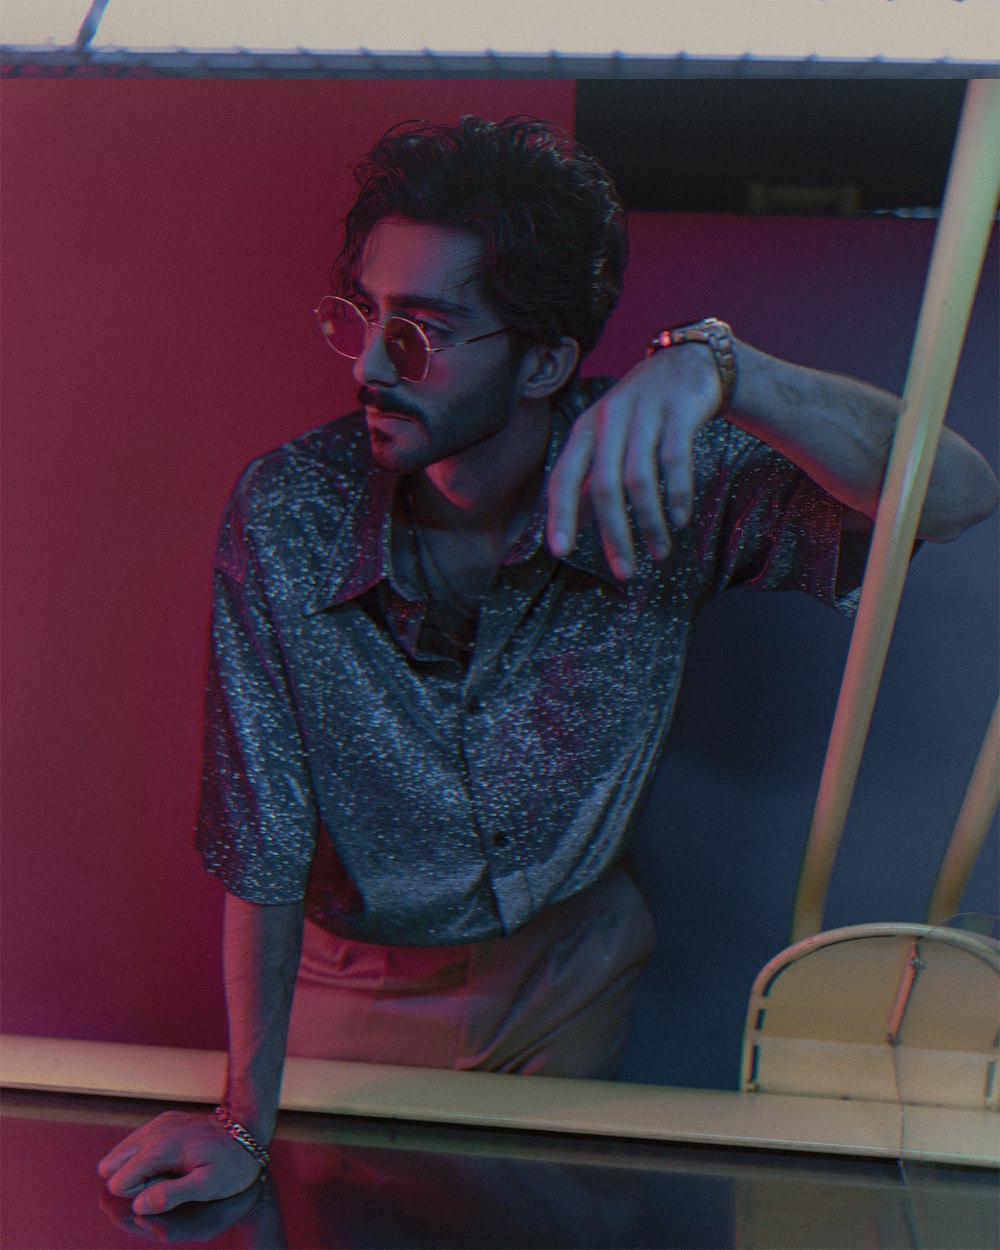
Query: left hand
{"x": 179, "y": 1157}
{"x": 640, "y": 432}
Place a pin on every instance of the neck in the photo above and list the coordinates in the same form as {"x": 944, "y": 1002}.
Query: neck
{"x": 491, "y": 487}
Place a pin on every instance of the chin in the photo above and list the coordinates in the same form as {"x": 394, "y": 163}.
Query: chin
{"x": 394, "y": 455}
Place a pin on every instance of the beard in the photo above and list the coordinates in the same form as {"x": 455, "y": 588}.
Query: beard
{"x": 406, "y": 437}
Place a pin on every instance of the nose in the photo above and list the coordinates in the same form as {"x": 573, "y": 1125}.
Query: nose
{"x": 373, "y": 365}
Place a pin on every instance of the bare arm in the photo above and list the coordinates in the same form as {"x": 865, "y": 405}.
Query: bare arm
{"x": 261, "y": 948}
{"x": 184, "y": 1157}
{"x": 840, "y": 432}
{"x": 836, "y": 429}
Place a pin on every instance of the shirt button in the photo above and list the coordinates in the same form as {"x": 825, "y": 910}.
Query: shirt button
{"x": 500, "y": 839}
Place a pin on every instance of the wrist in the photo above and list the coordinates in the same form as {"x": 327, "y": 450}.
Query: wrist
{"x": 261, "y": 1128}
{"x": 691, "y": 373}
{"x": 714, "y": 335}
{"x": 258, "y": 1115}
{"x": 241, "y": 1134}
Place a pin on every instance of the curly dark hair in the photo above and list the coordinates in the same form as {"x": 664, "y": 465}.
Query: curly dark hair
{"x": 552, "y": 224}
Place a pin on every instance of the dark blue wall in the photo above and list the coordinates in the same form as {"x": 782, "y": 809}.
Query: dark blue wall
{"x": 718, "y": 850}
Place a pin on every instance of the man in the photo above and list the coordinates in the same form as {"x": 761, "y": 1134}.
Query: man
{"x": 442, "y": 670}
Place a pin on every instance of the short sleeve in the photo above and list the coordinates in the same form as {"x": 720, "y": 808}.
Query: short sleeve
{"x": 771, "y": 526}
{"x": 257, "y": 818}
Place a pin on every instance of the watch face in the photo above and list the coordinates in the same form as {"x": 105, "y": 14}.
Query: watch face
{"x": 709, "y": 330}
{"x": 696, "y": 333}
{"x": 701, "y": 328}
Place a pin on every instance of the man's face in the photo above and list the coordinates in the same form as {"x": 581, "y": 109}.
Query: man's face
{"x": 424, "y": 273}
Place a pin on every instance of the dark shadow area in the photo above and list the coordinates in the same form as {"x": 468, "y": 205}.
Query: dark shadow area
{"x": 703, "y": 146}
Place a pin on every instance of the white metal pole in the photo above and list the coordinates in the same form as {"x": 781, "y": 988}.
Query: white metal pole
{"x": 973, "y": 823}
{"x": 959, "y": 247}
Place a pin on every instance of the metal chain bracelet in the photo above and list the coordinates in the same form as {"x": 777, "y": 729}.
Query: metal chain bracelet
{"x": 243, "y": 1135}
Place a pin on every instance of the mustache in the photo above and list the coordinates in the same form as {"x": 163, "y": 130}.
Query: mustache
{"x": 370, "y": 398}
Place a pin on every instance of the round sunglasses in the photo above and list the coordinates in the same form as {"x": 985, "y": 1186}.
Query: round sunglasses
{"x": 347, "y": 330}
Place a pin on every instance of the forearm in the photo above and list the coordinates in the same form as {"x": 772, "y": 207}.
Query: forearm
{"x": 261, "y": 948}
{"x": 839, "y": 431}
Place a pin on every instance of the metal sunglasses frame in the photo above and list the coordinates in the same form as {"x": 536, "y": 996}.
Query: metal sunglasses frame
{"x": 371, "y": 325}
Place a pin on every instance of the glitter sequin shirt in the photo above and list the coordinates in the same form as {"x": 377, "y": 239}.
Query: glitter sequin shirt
{"x": 417, "y": 797}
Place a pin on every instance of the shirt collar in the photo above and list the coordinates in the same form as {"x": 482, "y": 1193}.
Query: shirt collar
{"x": 361, "y": 551}
{"x": 362, "y": 557}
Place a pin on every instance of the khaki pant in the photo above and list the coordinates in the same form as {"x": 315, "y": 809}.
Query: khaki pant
{"x": 553, "y": 999}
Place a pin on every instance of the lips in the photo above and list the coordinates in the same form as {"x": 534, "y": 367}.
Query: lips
{"x": 376, "y": 414}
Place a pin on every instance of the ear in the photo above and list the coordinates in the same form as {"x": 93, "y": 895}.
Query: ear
{"x": 545, "y": 369}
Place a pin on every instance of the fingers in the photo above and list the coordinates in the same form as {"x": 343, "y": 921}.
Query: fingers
{"x": 641, "y": 476}
{"x": 566, "y": 485}
{"x": 136, "y": 1158}
{"x": 204, "y": 1183}
{"x": 121, "y": 1154}
{"x": 607, "y": 488}
{"x": 631, "y": 453}
{"x": 171, "y": 1192}
{"x": 678, "y": 471}
{"x": 151, "y": 1163}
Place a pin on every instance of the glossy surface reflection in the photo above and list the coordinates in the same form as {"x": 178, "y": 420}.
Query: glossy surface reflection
{"x": 361, "y": 1185}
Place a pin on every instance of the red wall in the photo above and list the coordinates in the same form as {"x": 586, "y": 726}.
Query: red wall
{"x": 164, "y": 244}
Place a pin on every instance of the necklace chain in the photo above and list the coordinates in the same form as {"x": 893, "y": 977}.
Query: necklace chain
{"x": 466, "y": 607}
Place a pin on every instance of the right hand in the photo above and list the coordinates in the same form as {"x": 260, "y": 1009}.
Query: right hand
{"x": 631, "y": 446}
{"x": 178, "y": 1157}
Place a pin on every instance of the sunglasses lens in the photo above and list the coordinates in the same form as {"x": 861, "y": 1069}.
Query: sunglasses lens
{"x": 346, "y": 330}
{"x": 406, "y": 350}
{"x": 343, "y": 326}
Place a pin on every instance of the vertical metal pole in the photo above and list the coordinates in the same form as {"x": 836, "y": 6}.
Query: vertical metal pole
{"x": 88, "y": 27}
{"x": 959, "y": 246}
{"x": 973, "y": 822}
